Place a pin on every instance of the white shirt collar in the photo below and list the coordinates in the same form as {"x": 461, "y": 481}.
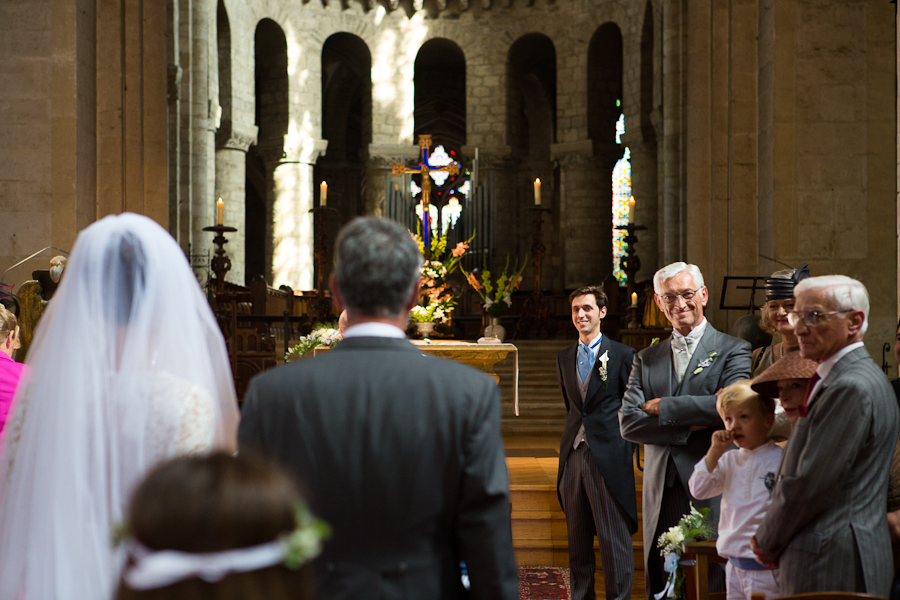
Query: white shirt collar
{"x": 374, "y": 329}
{"x": 594, "y": 342}
{"x": 826, "y": 365}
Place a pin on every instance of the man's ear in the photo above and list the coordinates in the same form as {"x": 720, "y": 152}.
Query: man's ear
{"x": 855, "y": 320}
{"x": 336, "y": 294}
{"x": 602, "y": 312}
{"x": 704, "y": 296}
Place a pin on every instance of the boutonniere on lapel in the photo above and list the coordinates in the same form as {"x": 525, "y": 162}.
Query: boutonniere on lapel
{"x": 602, "y": 368}
{"x": 705, "y": 362}
{"x": 769, "y": 480}
{"x": 654, "y": 341}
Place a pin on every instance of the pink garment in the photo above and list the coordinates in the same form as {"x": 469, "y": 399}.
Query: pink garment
{"x": 10, "y": 373}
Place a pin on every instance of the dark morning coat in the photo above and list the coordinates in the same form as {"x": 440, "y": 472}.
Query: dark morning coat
{"x": 401, "y": 453}
{"x": 600, "y": 415}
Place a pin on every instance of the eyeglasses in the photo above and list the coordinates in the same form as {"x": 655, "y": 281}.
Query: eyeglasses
{"x": 810, "y": 318}
{"x": 686, "y": 296}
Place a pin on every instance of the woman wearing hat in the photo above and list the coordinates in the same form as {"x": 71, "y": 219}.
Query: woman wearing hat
{"x": 779, "y": 302}
{"x": 787, "y": 380}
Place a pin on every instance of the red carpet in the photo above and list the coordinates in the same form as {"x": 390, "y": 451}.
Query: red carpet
{"x": 544, "y": 583}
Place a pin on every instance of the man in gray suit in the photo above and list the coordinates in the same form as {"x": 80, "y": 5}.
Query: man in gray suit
{"x": 670, "y": 407}
{"x": 399, "y": 452}
{"x": 826, "y": 527}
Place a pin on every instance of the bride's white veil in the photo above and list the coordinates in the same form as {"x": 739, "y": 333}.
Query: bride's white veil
{"x": 127, "y": 335}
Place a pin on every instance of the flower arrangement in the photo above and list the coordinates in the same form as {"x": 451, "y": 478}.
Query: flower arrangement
{"x": 323, "y": 334}
{"x": 692, "y": 527}
{"x": 497, "y": 296}
{"x": 437, "y": 311}
{"x": 438, "y": 300}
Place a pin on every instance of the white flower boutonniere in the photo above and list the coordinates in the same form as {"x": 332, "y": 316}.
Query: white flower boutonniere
{"x": 705, "y": 362}
{"x": 602, "y": 368}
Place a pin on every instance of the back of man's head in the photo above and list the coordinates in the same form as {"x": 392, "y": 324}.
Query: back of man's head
{"x": 377, "y": 266}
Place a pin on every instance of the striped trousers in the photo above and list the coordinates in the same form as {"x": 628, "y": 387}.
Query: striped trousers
{"x": 591, "y": 510}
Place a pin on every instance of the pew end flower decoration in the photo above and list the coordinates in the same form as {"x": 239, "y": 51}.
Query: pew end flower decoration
{"x": 323, "y": 334}
{"x": 496, "y": 296}
{"x": 694, "y": 526}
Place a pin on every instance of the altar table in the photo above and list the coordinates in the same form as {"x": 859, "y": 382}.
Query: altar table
{"x": 481, "y": 356}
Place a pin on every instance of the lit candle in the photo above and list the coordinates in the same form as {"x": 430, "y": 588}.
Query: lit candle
{"x": 323, "y": 195}
{"x": 631, "y": 211}
{"x": 537, "y": 192}
{"x": 634, "y": 299}
{"x": 220, "y": 212}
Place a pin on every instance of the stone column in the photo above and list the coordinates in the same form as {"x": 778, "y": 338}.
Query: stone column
{"x": 290, "y": 234}
{"x": 672, "y": 209}
{"x": 231, "y": 172}
{"x": 585, "y": 213}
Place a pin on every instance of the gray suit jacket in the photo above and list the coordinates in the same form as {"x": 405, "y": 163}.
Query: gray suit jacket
{"x": 693, "y": 402}
{"x": 401, "y": 453}
{"x": 827, "y": 523}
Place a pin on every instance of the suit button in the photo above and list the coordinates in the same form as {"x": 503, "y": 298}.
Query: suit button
{"x": 584, "y": 414}
{"x": 402, "y": 567}
{"x": 330, "y": 567}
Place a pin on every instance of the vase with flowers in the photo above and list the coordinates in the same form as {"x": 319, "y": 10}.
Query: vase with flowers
{"x": 496, "y": 296}
{"x": 437, "y": 299}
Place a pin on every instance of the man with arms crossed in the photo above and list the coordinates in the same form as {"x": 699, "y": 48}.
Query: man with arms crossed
{"x": 670, "y": 407}
{"x": 399, "y": 452}
{"x": 826, "y": 526}
{"x": 595, "y": 479}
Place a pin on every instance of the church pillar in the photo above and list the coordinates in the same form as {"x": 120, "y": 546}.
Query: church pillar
{"x": 290, "y": 234}
{"x": 378, "y": 166}
{"x": 672, "y": 207}
{"x": 585, "y": 213}
{"x": 231, "y": 172}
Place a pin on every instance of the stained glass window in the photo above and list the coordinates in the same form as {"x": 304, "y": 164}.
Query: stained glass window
{"x": 439, "y": 158}
{"x": 621, "y": 189}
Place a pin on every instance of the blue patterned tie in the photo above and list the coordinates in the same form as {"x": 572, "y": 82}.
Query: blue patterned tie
{"x": 584, "y": 362}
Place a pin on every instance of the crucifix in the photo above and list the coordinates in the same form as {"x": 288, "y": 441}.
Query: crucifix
{"x": 399, "y": 169}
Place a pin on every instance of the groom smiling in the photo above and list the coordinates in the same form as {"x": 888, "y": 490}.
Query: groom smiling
{"x": 595, "y": 479}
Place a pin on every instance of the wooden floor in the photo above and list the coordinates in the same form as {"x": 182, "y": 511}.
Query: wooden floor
{"x": 539, "y": 529}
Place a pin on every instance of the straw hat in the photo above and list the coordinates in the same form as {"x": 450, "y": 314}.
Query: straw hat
{"x": 791, "y": 366}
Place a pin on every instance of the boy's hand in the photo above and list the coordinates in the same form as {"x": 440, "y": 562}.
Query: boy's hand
{"x": 721, "y": 441}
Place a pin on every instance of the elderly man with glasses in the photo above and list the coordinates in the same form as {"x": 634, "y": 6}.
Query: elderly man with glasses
{"x": 670, "y": 407}
{"x": 826, "y": 527}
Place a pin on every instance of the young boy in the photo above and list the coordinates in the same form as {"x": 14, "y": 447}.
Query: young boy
{"x": 745, "y": 478}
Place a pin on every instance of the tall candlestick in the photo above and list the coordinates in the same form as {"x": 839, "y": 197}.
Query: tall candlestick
{"x": 220, "y": 212}
{"x": 537, "y": 192}
{"x": 631, "y": 211}
{"x": 323, "y": 193}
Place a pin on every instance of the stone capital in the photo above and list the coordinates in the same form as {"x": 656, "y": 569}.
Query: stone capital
{"x": 235, "y": 136}
{"x": 574, "y": 155}
{"x": 285, "y": 149}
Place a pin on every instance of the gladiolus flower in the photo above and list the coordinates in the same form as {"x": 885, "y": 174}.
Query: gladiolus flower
{"x": 460, "y": 249}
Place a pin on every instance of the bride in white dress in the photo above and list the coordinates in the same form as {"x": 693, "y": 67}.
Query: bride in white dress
{"x": 128, "y": 368}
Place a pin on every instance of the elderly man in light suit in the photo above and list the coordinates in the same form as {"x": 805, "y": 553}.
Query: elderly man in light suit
{"x": 826, "y": 526}
{"x": 670, "y": 407}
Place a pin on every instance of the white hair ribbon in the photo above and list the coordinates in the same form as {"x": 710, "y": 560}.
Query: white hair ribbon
{"x": 154, "y": 569}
